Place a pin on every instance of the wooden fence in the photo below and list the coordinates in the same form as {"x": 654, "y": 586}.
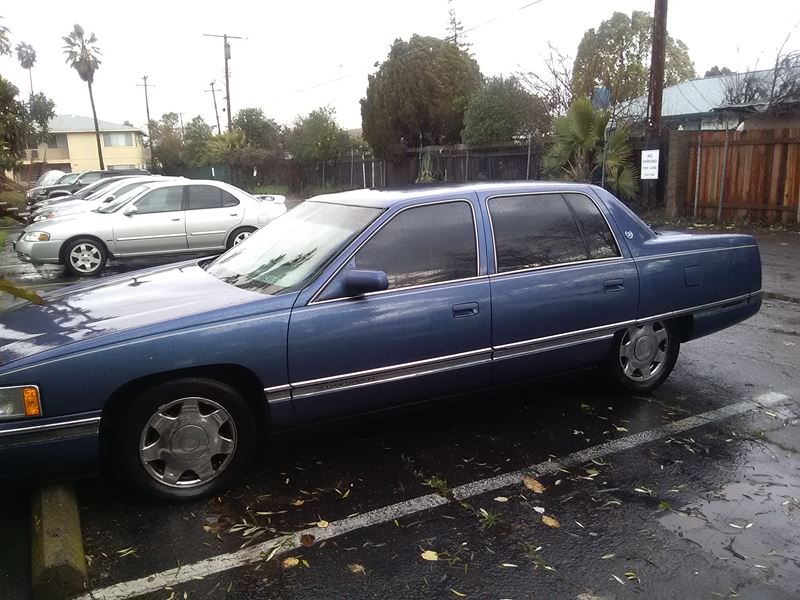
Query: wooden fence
{"x": 751, "y": 175}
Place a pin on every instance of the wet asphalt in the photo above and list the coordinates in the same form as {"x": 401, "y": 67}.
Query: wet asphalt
{"x": 710, "y": 513}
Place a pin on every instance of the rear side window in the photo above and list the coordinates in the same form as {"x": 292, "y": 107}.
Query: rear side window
{"x": 229, "y": 199}
{"x": 598, "y": 237}
{"x": 204, "y": 196}
{"x": 426, "y": 244}
{"x": 534, "y": 231}
{"x": 167, "y": 199}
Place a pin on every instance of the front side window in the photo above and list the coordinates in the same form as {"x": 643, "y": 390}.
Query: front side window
{"x": 89, "y": 177}
{"x": 422, "y": 245}
{"x": 534, "y": 231}
{"x": 166, "y": 199}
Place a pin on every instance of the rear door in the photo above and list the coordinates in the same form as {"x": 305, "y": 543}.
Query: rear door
{"x": 561, "y": 284}
{"x": 156, "y": 226}
{"x": 211, "y": 213}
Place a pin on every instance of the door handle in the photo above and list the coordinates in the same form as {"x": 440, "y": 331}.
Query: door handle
{"x": 468, "y": 309}
{"x": 178, "y": 219}
{"x": 233, "y": 215}
{"x": 613, "y": 285}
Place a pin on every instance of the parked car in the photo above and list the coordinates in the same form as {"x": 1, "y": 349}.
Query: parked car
{"x": 154, "y": 219}
{"x": 47, "y": 178}
{"x": 65, "y": 188}
{"x": 350, "y": 303}
{"x": 83, "y": 192}
{"x": 33, "y": 195}
{"x": 89, "y": 199}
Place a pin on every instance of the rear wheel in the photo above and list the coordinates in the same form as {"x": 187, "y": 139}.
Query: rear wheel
{"x": 642, "y": 356}
{"x": 184, "y": 440}
{"x": 85, "y": 256}
{"x": 239, "y": 235}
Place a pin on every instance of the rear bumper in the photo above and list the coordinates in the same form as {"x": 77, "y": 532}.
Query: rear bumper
{"x": 724, "y": 315}
{"x": 51, "y": 449}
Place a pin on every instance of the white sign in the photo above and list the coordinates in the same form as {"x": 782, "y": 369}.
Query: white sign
{"x": 649, "y": 164}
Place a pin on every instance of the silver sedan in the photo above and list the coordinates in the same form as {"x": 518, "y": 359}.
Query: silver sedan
{"x": 154, "y": 219}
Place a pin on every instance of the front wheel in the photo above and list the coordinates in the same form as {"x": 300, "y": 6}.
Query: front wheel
{"x": 85, "y": 256}
{"x": 642, "y": 356}
{"x": 184, "y": 440}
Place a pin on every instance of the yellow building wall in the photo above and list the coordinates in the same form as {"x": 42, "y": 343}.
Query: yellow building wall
{"x": 83, "y": 152}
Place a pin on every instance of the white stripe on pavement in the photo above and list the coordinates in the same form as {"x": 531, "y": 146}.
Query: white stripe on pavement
{"x": 287, "y": 543}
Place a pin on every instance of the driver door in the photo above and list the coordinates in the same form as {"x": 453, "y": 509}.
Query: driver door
{"x": 157, "y": 224}
{"x": 428, "y": 335}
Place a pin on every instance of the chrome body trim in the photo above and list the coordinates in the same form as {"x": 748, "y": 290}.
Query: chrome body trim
{"x": 576, "y": 264}
{"x": 551, "y": 193}
{"x": 703, "y": 307}
{"x": 152, "y": 237}
{"x": 278, "y": 393}
{"x": 690, "y": 252}
{"x": 313, "y": 387}
{"x": 556, "y": 344}
{"x": 76, "y": 423}
{"x": 324, "y": 286}
{"x": 403, "y": 289}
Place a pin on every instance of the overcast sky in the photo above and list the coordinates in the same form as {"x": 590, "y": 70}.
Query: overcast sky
{"x": 302, "y": 54}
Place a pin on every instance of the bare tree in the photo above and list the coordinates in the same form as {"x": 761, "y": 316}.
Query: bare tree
{"x": 555, "y": 85}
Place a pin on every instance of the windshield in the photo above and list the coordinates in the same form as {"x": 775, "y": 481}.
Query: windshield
{"x": 291, "y": 249}
{"x": 122, "y": 200}
{"x": 117, "y": 189}
{"x": 93, "y": 187}
{"x": 69, "y": 178}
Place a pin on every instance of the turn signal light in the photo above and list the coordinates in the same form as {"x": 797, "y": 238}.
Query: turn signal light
{"x": 31, "y": 402}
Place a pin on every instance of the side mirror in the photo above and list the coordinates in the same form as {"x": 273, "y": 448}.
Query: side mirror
{"x": 131, "y": 210}
{"x": 109, "y": 198}
{"x": 362, "y": 281}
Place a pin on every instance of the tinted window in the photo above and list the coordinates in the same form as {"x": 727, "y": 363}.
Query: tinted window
{"x": 229, "y": 199}
{"x": 422, "y": 245}
{"x": 534, "y": 231}
{"x": 599, "y": 240}
{"x": 90, "y": 177}
{"x": 161, "y": 200}
{"x": 204, "y": 196}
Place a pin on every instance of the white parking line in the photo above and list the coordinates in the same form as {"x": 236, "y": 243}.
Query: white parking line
{"x": 287, "y": 543}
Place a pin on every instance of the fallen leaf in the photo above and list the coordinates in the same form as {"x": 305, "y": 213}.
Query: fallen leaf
{"x": 511, "y": 565}
{"x": 620, "y": 429}
{"x": 356, "y": 568}
{"x": 290, "y": 562}
{"x": 501, "y": 499}
{"x": 533, "y": 485}
{"x": 322, "y": 524}
{"x": 307, "y": 539}
{"x": 298, "y": 502}
{"x": 618, "y": 580}
{"x": 607, "y": 556}
{"x": 457, "y": 593}
{"x": 430, "y": 555}
{"x": 551, "y": 521}
{"x": 539, "y": 509}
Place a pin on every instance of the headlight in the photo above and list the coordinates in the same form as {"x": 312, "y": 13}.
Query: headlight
{"x": 38, "y": 218}
{"x": 36, "y": 236}
{"x": 20, "y": 401}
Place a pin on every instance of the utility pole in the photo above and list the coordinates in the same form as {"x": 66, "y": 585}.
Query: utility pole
{"x": 227, "y": 47}
{"x": 655, "y": 92}
{"x": 216, "y": 112}
{"x": 147, "y": 108}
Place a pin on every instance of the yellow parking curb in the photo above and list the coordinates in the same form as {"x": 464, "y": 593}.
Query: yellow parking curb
{"x": 58, "y": 564}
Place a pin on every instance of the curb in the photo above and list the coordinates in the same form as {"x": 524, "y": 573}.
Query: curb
{"x": 58, "y": 564}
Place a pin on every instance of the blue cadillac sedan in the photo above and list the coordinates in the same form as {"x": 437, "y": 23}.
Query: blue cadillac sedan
{"x": 352, "y": 303}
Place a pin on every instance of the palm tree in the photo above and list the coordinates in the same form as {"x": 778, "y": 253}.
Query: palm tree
{"x": 82, "y": 55}
{"x": 581, "y": 149}
{"x": 27, "y": 58}
{"x": 5, "y": 43}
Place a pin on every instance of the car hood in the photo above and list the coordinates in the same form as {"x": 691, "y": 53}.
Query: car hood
{"x": 70, "y": 206}
{"x": 174, "y": 296}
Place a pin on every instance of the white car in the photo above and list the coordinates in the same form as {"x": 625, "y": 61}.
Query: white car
{"x": 103, "y": 196}
{"x": 155, "y": 219}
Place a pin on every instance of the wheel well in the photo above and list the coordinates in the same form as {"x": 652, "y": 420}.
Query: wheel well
{"x": 62, "y": 253}
{"x": 239, "y": 378}
{"x": 684, "y": 326}
{"x": 233, "y": 233}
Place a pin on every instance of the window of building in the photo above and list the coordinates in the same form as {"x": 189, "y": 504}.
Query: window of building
{"x": 123, "y": 138}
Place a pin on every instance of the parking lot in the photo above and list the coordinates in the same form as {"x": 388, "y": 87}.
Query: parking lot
{"x": 555, "y": 489}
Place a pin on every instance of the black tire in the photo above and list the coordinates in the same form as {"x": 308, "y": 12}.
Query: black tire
{"x": 236, "y": 233}
{"x": 96, "y": 256}
{"x": 134, "y": 431}
{"x": 623, "y": 375}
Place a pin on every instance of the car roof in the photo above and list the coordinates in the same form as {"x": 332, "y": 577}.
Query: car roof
{"x": 387, "y": 197}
